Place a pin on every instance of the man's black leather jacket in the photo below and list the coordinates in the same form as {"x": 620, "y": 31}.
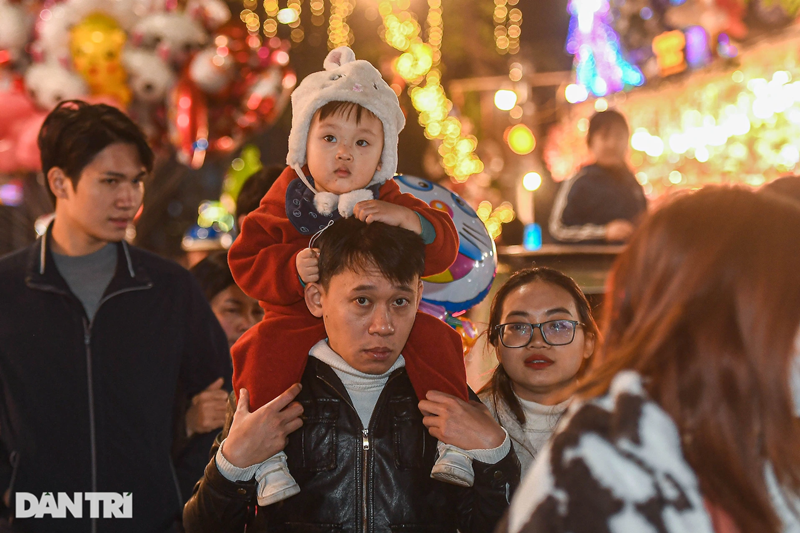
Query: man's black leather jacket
{"x": 356, "y": 480}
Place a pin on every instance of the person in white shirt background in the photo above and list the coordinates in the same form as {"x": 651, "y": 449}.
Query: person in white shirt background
{"x": 544, "y": 335}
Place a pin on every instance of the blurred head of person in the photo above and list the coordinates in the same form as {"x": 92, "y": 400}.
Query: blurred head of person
{"x": 253, "y": 190}
{"x": 544, "y": 335}
{"x": 235, "y": 311}
{"x": 608, "y": 139}
{"x": 705, "y": 305}
{"x": 786, "y": 187}
{"x": 95, "y": 160}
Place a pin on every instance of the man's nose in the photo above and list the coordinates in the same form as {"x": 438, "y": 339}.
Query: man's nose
{"x": 382, "y": 323}
{"x": 129, "y": 195}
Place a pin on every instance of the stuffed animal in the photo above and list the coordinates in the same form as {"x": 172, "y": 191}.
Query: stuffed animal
{"x": 49, "y": 83}
{"x": 174, "y": 36}
{"x": 210, "y": 77}
{"x": 149, "y": 76}
{"x": 14, "y": 29}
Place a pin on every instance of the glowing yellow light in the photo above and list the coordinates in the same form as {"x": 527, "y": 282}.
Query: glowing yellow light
{"x": 532, "y": 181}
{"x": 675, "y": 177}
{"x": 600, "y": 105}
{"x": 520, "y": 139}
{"x": 287, "y": 15}
{"x": 505, "y": 100}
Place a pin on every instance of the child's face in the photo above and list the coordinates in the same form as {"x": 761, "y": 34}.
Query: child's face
{"x": 344, "y": 155}
{"x": 609, "y": 146}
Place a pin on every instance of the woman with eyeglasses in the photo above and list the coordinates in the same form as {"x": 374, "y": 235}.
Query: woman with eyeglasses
{"x": 542, "y": 329}
{"x": 688, "y": 421}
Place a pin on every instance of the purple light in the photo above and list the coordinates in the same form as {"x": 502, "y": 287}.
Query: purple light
{"x": 11, "y": 194}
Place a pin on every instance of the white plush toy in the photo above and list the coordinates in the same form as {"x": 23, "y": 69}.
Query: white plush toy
{"x": 175, "y": 36}
{"x": 50, "y": 83}
{"x": 345, "y": 79}
{"x": 208, "y": 76}
{"x": 149, "y": 76}
{"x": 14, "y": 29}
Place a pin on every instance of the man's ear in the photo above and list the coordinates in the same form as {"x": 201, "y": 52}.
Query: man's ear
{"x": 420, "y": 286}
{"x": 313, "y": 296}
{"x": 58, "y": 182}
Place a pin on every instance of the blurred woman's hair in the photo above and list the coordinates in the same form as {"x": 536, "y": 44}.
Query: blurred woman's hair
{"x": 500, "y": 385}
{"x": 705, "y": 305}
{"x": 604, "y": 121}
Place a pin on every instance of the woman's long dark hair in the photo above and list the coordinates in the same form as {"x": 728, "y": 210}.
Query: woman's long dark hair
{"x": 500, "y": 384}
{"x": 705, "y": 305}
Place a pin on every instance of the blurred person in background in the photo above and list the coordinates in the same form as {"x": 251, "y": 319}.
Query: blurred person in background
{"x": 603, "y": 202}
{"x": 205, "y": 413}
{"x": 689, "y": 422}
{"x": 542, "y": 329}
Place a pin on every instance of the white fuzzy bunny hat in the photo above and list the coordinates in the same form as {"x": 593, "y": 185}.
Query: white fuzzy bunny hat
{"x": 345, "y": 79}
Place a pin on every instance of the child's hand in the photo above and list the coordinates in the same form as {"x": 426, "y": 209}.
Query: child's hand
{"x": 392, "y": 214}
{"x": 307, "y": 263}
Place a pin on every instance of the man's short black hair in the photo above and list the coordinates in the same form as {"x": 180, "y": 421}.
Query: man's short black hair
{"x": 75, "y": 132}
{"x": 399, "y": 254}
{"x": 254, "y": 189}
{"x": 604, "y": 121}
{"x": 213, "y": 274}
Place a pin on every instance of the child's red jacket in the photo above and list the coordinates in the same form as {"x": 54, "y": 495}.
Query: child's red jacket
{"x": 271, "y": 356}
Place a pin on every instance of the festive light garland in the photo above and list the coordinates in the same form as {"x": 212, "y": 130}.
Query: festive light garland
{"x": 493, "y": 218}
{"x": 339, "y": 32}
{"x": 420, "y": 63}
{"x": 717, "y": 125}
{"x": 507, "y": 26}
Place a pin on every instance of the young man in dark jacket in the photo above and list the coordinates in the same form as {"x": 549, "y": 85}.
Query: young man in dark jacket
{"x": 96, "y": 336}
{"x": 358, "y": 441}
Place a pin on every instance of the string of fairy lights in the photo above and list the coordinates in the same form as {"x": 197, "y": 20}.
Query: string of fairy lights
{"x": 507, "y": 30}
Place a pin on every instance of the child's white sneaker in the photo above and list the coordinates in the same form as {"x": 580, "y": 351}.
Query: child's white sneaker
{"x": 453, "y": 466}
{"x": 275, "y": 483}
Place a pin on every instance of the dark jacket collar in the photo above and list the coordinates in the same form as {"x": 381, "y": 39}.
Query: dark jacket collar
{"x": 42, "y": 273}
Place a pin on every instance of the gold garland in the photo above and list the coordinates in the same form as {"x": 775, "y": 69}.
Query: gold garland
{"x": 339, "y": 32}
{"x": 507, "y": 29}
{"x": 420, "y": 63}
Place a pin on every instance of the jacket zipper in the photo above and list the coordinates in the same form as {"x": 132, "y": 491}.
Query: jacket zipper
{"x": 87, "y": 340}
{"x": 364, "y": 478}
{"x": 365, "y": 448}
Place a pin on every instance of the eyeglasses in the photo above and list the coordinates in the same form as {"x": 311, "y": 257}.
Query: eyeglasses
{"x": 554, "y": 332}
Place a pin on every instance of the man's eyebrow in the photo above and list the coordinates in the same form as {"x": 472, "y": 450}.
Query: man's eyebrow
{"x": 122, "y": 175}
{"x": 404, "y": 288}
{"x": 364, "y": 288}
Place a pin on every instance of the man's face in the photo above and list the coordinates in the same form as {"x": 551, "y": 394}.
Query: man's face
{"x": 367, "y": 316}
{"x": 609, "y": 146}
{"x": 343, "y": 155}
{"x": 107, "y": 196}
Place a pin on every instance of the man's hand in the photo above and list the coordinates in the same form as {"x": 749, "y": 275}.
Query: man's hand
{"x": 307, "y": 263}
{"x": 454, "y": 421}
{"x": 618, "y": 230}
{"x": 371, "y": 211}
{"x": 207, "y": 411}
{"x": 257, "y": 436}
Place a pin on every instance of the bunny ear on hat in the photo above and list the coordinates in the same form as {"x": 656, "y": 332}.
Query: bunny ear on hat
{"x": 338, "y": 57}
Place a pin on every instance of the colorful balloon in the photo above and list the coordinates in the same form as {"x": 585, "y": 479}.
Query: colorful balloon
{"x": 470, "y": 277}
